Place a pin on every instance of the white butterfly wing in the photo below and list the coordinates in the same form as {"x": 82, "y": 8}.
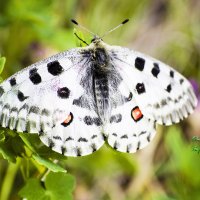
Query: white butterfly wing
{"x": 80, "y": 135}
{"x": 162, "y": 93}
{"x": 128, "y": 129}
{"x": 48, "y": 98}
{"x": 37, "y": 97}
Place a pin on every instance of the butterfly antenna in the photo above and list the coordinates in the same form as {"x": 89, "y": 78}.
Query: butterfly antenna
{"x": 81, "y": 39}
{"x": 113, "y": 29}
{"x": 77, "y": 24}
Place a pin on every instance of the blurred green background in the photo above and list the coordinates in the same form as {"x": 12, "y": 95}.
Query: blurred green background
{"x": 169, "y": 30}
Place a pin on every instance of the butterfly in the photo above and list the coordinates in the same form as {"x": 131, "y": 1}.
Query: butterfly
{"x": 78, "y": 99}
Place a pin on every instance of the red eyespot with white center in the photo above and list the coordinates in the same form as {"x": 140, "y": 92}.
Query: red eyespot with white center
{"x": 68, "y": 120}
{"x": 136, "y": 114}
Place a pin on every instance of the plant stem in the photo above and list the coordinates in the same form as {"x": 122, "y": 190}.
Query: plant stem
{"x": 9, "y": 179}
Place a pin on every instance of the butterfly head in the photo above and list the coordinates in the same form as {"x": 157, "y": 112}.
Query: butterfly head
{"x": 96, "y": 40}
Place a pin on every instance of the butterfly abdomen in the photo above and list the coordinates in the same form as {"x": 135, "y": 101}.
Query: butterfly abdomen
{"x": 100, "y": 71}
{"x": 101, "y": 96}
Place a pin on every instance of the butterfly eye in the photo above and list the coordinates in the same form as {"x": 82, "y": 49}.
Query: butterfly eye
{"x": 136, "y": 114}
{"x": 68, "y": 120}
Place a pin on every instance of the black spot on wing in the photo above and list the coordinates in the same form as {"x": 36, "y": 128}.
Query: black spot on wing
{"x": 78, "y": 152}
{"x": 114, "y": 134}
{"x": 169, "y": 99}
{"x": 157, "y": 105}
{"x": 140, "y": 88}
{"x": 63, "y": 92}
{"x": 97, "y": 121}
{"x": 155, "y": 70}
{"x": 149, "y": 137}
{"x": 124, "y": 136}
{"x": 138, "y": 145}
{"x": 68, "y": 139}
{"x": 81, "y": 139}
{"x": 51, "y": 144}
{"x": 169, "y": 88}
{"x": 116, "y": 145}
{"x": 63, "y": 150}
{"x": 13, "y": 109}
{"x": 41, "y": 133}
{"x": 24, "y": 107}
{"x": 55, "y": 68}
{"x": 181, "y": 81}
{"x": 180, "y": 97}
{"x": 142, "y": 133}
{"x": 4, "y": 117}
{"x": 128, "y": 147}
{"x": 116, "y": 118}
{"x": 45, "y": 112}
{"x": 104, "y": 136}
{"x": 139, "y": 63}
{"x": 13, "y": 81}
{"x": 21, "y": 96}
{"x": 94, "y": 136}
{"x": 34, "y": 76}
{"x": 164, "y": 102}
{"x": 1, "y": 91}
{"x": 171, "y": 73}
{"x": 88, "y": 120}
{"x": 34, "y": 109}
{"x": 57, "y": 137}
{"x": 129, "y": 98}
{"x": 94, "y": 147}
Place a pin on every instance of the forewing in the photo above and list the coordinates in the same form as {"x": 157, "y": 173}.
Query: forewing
{"x": 40, "y": 96}
{"x": 162, "y": 93}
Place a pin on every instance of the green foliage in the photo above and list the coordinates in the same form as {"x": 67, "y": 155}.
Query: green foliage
{"x": 14, "y": 145}
{"x": 8, "y": 147}
{"x": 56, "y": 186}
{"x": 196, "y": 142}
{"x": 28, "y": 146}
{"x": 181, "y": 171}
{"x": 2, "y": 63}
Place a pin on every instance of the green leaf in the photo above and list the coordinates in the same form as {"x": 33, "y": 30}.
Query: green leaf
{"x": 60, "y": 185}
{"x": 48, "y": 163}
{"x": 2, "y": 136}
{"x": 2, "y": 63}
{"x": 41, "y": 153}
{"x": 7, "y": 153}
{"x": 33, "y": 142}
{"x": 26, "y": 139}
{"x": 33, "y": 190}
{"x": 56, "y": 186}
{"x": 11, "y": 146}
